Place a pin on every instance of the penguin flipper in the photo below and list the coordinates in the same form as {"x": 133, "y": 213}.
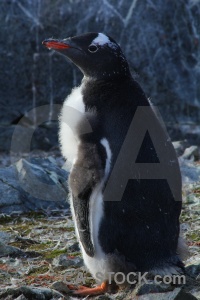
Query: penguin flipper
{"x": 81, "y": 208}
{"x": 86, "y": 173}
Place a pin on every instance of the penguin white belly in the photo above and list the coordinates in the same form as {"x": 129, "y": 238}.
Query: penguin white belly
{"x": 69, "y": 117}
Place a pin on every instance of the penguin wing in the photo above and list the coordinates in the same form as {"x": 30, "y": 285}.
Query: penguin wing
{"x": 87, "y": 173}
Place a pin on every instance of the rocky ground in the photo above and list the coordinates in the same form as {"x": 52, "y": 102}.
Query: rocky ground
{"x": 39, "y": 252}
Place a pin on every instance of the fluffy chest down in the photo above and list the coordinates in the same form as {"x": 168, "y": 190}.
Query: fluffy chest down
{"x": 72, "y": 111}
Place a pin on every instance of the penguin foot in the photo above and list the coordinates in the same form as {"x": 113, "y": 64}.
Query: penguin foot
{"x": 86, "y": 291}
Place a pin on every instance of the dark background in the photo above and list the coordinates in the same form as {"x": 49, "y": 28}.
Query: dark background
{"x": 161, "y": 39}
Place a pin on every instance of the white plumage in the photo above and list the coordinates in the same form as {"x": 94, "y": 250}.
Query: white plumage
{"x": 67, "y": 136}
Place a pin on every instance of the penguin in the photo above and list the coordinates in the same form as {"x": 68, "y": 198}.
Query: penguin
{"x": 139, "y": 233}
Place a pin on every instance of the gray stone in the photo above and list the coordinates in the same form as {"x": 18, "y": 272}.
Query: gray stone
{"x": 21, "y": 297}
{"x": 4, "y": 237}
{"x": 190, "y": 132}
{"x": 37, "y": 293}
{"x": 28, "y": 292}
{"x": 151, "y": 287}
{"x": 180, "y": 146}
{"x": 5, "y": 137}
{"x": 61, "y": 287}
{"x": 176, "y": 294}
{"x": 6, "y": 250}
{"x": 193, "y": 271}
{"x": 36, "y": 185}
{"x": 42, "y": 137}
{"x": 65, "y": 261}
{"x": 104, "y": 297}
{"x": 37, "y": 182}
{"x": 190, "y": 172}
{"x": 74, "y": 247}
{"x": 59, "y": 296}
{"x": 31, "y": 293}
{"x": 191, "y": 153}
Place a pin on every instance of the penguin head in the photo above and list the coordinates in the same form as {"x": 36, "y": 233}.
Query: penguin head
{"x": 97, "y": 55}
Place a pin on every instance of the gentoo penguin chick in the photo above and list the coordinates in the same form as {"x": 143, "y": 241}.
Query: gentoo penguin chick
{"x": 140, "y": 232}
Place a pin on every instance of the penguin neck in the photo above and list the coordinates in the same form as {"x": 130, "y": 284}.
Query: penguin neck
{"x": 101, "y": 94}
{"x": 106, "y": 79}
{"x": 106, "y": 94}
{"x": 109, "y": 75}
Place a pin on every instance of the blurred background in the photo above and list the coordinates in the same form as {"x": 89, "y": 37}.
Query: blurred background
{"x": 161, "y": 40}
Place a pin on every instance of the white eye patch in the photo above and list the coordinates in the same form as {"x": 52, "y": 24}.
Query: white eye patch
{"x": 102, "y": 40}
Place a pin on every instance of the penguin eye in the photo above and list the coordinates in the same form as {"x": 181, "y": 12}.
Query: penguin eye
{"x": 92, "y": 48}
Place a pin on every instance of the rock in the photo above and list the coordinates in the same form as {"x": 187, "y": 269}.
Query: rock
{"x": 6, "y": 250}
{"x": 74, "y": 247}
{"x": 191, "y": 153}
{"x": 193, "y": 271}
{"x": 66, "y": 261}
{"x": 40, "y": 182}
{"x": 176, "y": 294}
{"x": 190, "y": 172}
{"x": 42, "y": 137}
{"x": 32, "y": 293}
{"x": 38, "y": 293}
{"x": 5, "y": 137}
{"x": 151, "y": 287}
{"x": 152, "y": 291}
{"x": 28, "y": 292}
{"x": 180, "y": 146}
{"x": 104, "y": 297}
{"x": 61, "y": 287}
{"x": 4, "y": 237}
{"x": 32, "y": 186}
{"x": 190, "y": 132}
{"x": 21, "y": 297}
